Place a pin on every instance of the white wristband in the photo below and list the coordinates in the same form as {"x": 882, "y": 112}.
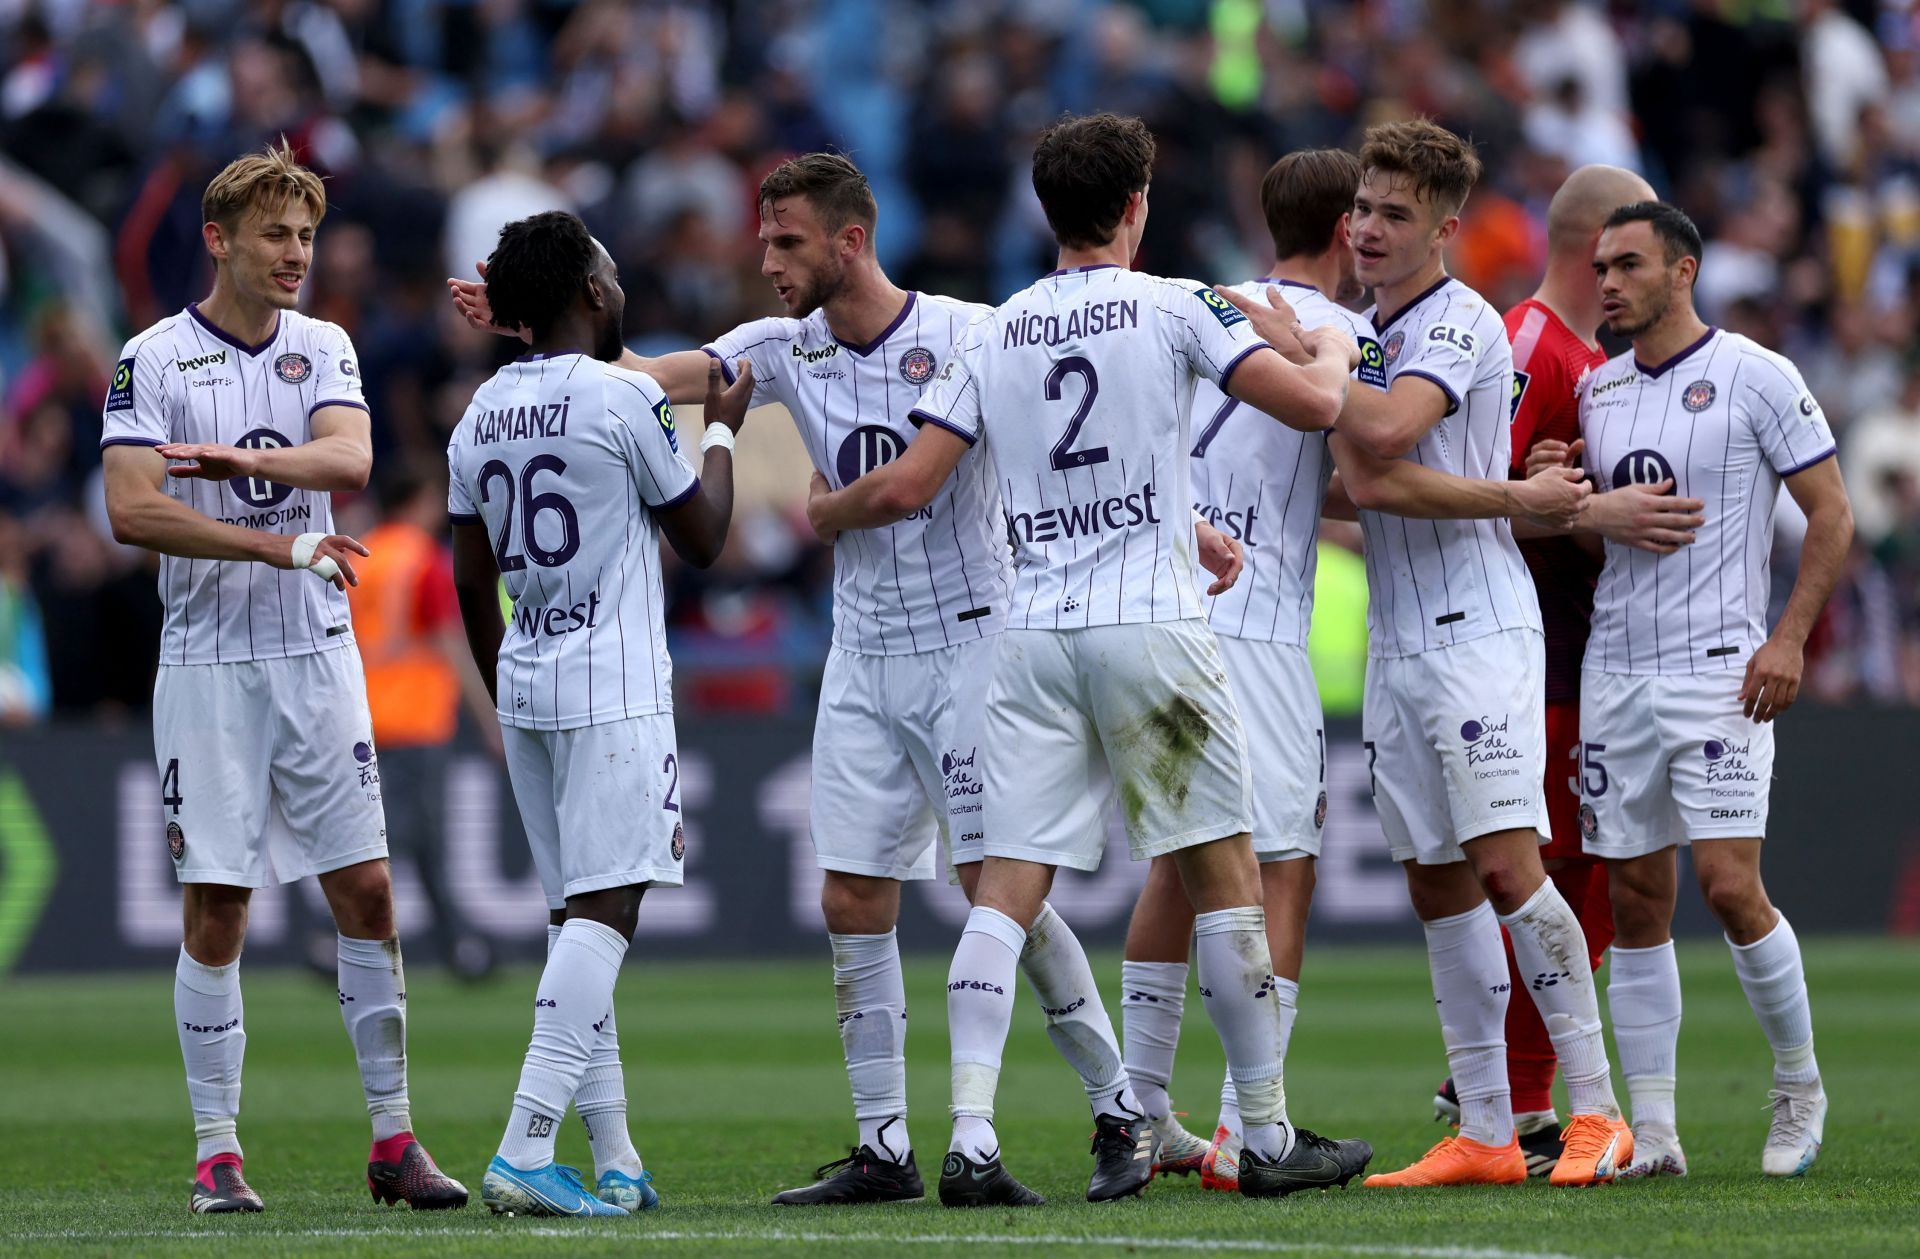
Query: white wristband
{"x": 717, "y": 434}
{"x": 303, "y": 548}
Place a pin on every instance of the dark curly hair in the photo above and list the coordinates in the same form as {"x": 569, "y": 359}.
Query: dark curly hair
{"x": 537, "y": 270}
{"x": 1084, "y": 169}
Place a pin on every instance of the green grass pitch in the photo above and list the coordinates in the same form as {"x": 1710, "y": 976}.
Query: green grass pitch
{"x": 737, "y": 1090}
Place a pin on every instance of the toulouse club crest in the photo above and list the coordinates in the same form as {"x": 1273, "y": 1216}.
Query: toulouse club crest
{"x": 1698, "y": 396}
{"x": 293, "y": 368}
{"x": 1393, "y": 346}
{"x": 679, "y": 842}
{"x": 917, "y": 365}
{"x": 176, "y": 841}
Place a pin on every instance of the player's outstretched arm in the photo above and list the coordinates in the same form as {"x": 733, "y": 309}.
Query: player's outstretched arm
{"x": 697, "y": 528}
{"x": 476, "y": 585}
{"x": 681, "y": 374}
{"x": 339, "y": 457}
{"x": 1773, "y": 674}
{"x": 892, "y": 491}
{"x": 1555, "y": 496}
{"x": 143, "y": 514}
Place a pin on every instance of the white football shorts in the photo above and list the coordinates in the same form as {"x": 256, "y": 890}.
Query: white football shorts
{"x": 1456, "y": 743}
{"x": 889, "y": 770}
{"x": 1279, "y": 704}
{"x": 1077, "y": 717}
{"x": 601, "y": 804}
{"x": 267, "y": 768}
{"x": 1667, "y": 760}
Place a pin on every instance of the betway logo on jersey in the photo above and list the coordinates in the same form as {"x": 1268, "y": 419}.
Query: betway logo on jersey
{"x": 554, "y": 622}
{"x": 215, "y": 359}
{"x": 1084, "y": 520}
{"x": 813, "y": 356}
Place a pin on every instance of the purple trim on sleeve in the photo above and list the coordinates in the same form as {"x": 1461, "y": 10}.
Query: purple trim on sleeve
{"x": 461, "y": 518}
{"x": 917, "y": 418}
{"x": 338, "y": 402}
{"x": 726, "y": 368}
{"x": 681, "y": 497}
{"x": 128, "y": 441}
{"x": 1822, "y": 457}
{"x": 1453, "y": 399}
{"x": 1237, "y": 360}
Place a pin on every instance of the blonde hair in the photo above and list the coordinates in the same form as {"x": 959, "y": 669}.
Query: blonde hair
{"x": 266, "y": 181}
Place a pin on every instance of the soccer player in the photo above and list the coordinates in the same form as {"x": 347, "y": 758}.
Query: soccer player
{"x": 1553, "y": 350}
{"x": 1682, "y": 681}
{"x": 1453, "y": 716}
{"x": 1111, "y": 684}
{"x": 225, "y": 428}
{"x": 563, "y": 475}
{"x": 917, "y": 607}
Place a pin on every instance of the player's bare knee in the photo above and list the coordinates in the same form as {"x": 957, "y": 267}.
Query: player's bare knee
{"x": 854, "y": 904}
{"x": 617, "y": 908}
{"x": 214, "y": 922}
{"x": 361, "y": 898}
{"x": 1739, "y": 903}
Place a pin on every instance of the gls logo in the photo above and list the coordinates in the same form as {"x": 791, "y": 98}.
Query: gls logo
{"x": 1459, "y": 338}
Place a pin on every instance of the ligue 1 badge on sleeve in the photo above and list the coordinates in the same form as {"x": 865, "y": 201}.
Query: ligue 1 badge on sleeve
{"x": 293, "y": 368}
{"x": 916, "y": 366}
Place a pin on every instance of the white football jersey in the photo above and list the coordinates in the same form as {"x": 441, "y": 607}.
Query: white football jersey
{"x": 1263, "y": 483}
{"x": 938, "y": 577}
{"x": 184, "y": 380}
{"x": 1434, "y": 583}
{"x": 565, "y": 459}
{"x": 1724, "y": 419}
{"x": 1082, "y": 385}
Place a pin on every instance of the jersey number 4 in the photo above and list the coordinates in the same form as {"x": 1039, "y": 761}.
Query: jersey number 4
{"x": 1064, "y": 455}
{"x": 532, "y": 507}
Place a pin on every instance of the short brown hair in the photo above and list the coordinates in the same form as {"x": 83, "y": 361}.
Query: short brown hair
{"x": 831, "y": 183}
{"x": 264, "y": 180}
{"x": 1304, "y": 194}
{"x": 1084, "y": 169}
{"x": 1441, "y": 166}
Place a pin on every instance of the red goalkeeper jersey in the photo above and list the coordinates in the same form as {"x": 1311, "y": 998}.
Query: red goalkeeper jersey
{"x": 1549, "y": 361}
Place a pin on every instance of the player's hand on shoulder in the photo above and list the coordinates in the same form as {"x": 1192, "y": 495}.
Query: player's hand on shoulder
{"x": 728, "y": 405}
{"x": 327, "y": 556}
{"x": 1219, "y": 554}
{"x": 1331, "y": 339}
{"x": 1773, "y": 680}
{"x": 1550, "y": 452}
{"x": 817, "y": 488}
{"x": 1554, "y": 497}
{"x": 208, "y": 462}
{"x": 470, "y": 299}
{"x": 1645, "y": 517}
{"x": 1274, "y": 321}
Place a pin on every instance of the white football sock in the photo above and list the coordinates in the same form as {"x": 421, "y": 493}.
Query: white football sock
{"x": 871, "y": 999}
{"x": 1236, "y": 983}
{"x": 601, "y": 1099}
{"x": 1776, "y": 985}
{"x": 213, "y": 1042}
{"x": 1287, "y": 991}
{"x": 1551, "y": 952}
{"x": 1153, "y": 996}
{"x": 1230, "y": 1112}
{"x": 373, "y": 1005}
{"x": 979, "y": 1012}
{"x": 1643, "y": 995}
{"x": 975, "y": 1137}
{"x": 575, "y": 993}
{"x": 1077, "y": 1022}
{"x": 1469, "y": 966}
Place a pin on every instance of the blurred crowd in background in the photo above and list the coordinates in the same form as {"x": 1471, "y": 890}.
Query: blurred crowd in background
{"x": 1789, "y": 129}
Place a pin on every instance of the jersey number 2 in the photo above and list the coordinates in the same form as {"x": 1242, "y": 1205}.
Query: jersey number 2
{"x": 533, "y": 505}
{"x": 1064, "y": 455}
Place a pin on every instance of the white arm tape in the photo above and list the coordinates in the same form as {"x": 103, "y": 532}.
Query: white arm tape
{"x": 303, "y": 548}
{"x": 717, "y": 434}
